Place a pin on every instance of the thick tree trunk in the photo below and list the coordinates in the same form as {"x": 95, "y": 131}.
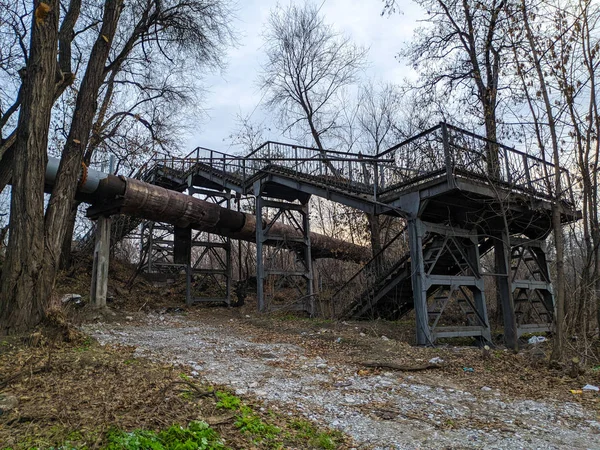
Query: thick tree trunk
{"x": 65, "y": 252}
{"x": 35, "y": 246}
{"x": 62, "y": 200}
{"x": 494, "y": 173}
{"x": 20, "y": 306}
{"x": 597, "y": 293}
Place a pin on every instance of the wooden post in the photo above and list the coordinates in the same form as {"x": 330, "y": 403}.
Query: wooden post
{"x": 99, "y": 286}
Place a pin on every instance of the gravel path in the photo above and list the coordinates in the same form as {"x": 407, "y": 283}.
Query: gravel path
{"x": 385, "y": 411}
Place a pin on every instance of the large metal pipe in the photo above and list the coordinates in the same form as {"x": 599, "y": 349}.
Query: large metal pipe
{"x": 147, "y": 201}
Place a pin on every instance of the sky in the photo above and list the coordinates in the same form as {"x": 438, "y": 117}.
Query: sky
{"x": 235, "y": 90}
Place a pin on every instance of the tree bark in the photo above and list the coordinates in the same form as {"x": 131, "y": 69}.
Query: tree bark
{"x": 65, "y": 252}
{"x": 20, "y": 307}
{"x": 62, "y": 198}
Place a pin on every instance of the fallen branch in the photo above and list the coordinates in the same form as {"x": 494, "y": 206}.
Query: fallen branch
{"x": 394, "y": 366}
{"x": 199, "y": 392}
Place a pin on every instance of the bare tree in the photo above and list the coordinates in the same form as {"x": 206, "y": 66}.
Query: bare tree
{"x": 248, "y": 134}
{"x": 574, "y": 66}
{"x": 531, "y": 59}
{"x": 460, "y": 51}
{"x": 308, "y": 64}
{"x": 196, "y": 28}
{"x": 378, "y": 108}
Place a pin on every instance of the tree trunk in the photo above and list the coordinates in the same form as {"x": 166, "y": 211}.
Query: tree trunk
{"x": 20, "y": 306}
{"x": 557, "y": 349}
{"x": 65, "y": 252}
{"x": 597, "y": 288}
{"x": 62, "y": 198}
{"x": 375, "y": 231}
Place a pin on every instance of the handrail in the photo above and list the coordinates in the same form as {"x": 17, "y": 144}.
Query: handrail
{"x": 371, "y": 261}
{"x": 489, "y": 141}
{"x": 309, "y": 148}
{"x": 409, "y": 140}
{"x": 427, "y": 155}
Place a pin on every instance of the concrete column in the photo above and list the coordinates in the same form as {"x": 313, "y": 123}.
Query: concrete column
{"x": 99, "y": 286}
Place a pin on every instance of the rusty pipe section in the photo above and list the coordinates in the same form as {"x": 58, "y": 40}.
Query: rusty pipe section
{"x": 158, "y": 204}
{"x": 151, "y": 202}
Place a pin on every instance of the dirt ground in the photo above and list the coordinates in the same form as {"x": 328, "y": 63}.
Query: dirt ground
{"x": 128, "y": 374}
{"x": 315, "y": 369}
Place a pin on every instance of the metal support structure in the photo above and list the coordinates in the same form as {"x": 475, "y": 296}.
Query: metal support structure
{"x": 158, "y": 249}
{"x": 415, "y": 240}
{"x": 204, "y": 258}
{"x": 209, "y": 273}
{"x": 448, "y": 288}
{"x": 182, "y": 245}
{"x": 99, "y": 285}
{"x": 531, "y": 285}
{"x": 295, "y": 271}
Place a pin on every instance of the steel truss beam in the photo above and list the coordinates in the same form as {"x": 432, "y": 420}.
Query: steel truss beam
{"x": 295, "y": 273}
{"x": 532, "y": 288}
{"x": 157, "y": 244}
{"x": 210, "y": 261}
{"x": 446, "y": 277}
{"x": 205, "y": 259}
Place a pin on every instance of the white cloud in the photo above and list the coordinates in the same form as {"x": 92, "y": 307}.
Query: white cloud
{"x": 236, "y": 90}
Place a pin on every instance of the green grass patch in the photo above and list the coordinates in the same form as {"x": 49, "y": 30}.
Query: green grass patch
{"x": 228, "y": 401}
{"x": 196, "y": 436}
{"x": 288, "y": 432}
{"x": 306, "y": 431}
{"x": 249, "y": 422}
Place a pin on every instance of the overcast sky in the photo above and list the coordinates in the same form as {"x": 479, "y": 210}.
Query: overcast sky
{"x": 236, "y": 91}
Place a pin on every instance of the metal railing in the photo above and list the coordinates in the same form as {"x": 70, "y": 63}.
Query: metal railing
{"x": 360, "y": 289}
{"x": 474, "y": 155}
{"x": 453, "y": 152}
{"x": 441, "y": 151}
{"x": 348, "y": 171}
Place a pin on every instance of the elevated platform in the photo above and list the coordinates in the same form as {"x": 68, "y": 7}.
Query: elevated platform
{"x": 460, "y": 195}
{"x": 445, "y": 169}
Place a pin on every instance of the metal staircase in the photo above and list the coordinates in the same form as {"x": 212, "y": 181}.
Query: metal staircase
{"x": 390, "y": 296}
